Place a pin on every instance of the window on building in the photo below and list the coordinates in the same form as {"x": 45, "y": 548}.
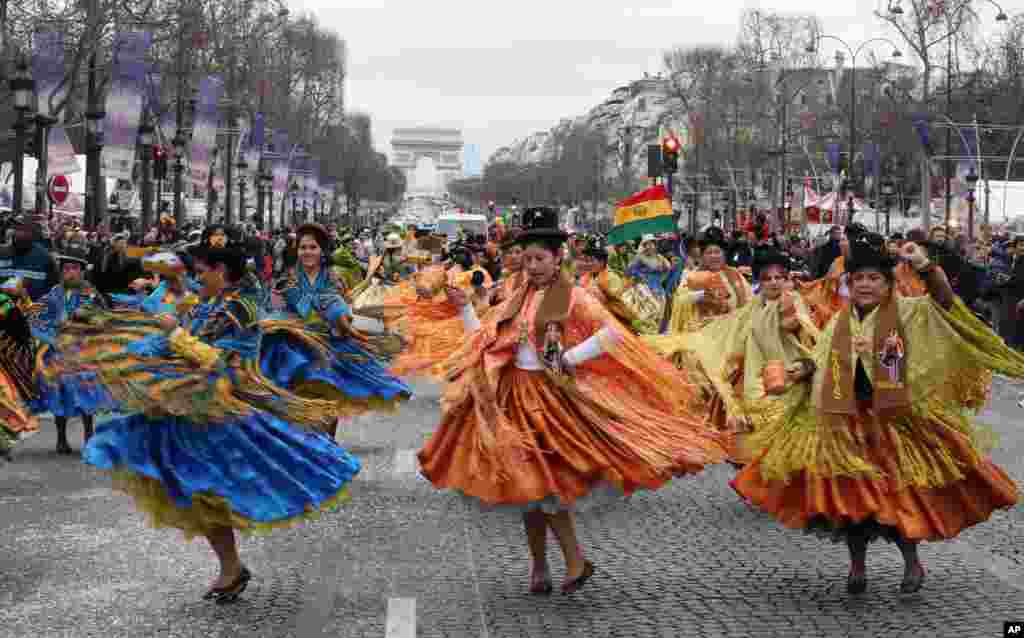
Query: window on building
{"x": 803, "y": 99}
{"x": 641, "y": 104}
{"x": 828, "y": 99}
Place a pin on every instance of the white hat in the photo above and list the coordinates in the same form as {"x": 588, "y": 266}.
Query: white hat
{"x": 646, "y": 238}
{"x": 393, "y": 240}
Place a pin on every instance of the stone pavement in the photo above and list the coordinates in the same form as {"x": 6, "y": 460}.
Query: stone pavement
{"x": 689, "y": 560}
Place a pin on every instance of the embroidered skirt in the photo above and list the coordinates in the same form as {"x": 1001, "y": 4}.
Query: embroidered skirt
{"x": 567, "y": 463}
{"x": 253, "y": 474}
{"x": 930, "y": 482}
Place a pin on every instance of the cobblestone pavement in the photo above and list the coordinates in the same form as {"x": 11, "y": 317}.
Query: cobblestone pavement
{"x": 689, "y": 560}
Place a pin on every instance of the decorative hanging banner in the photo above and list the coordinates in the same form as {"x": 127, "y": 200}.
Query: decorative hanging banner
{"x": 204, "y": 130}
{"x": 124, "y": 103}
{"x": 48, "y": 70}
{"x": 834, "y": 157}
{"x": 60, "y": 156}
{"x": 255, "y": 147}
{"x": 646, "y": 212}
{"x": 280, "y": 170}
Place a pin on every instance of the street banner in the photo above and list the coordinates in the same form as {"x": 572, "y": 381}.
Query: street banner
{"x": 48, "y": 70}
{"x": 204, "y": 131}
{"x": 124, "y": 103}
{"x": 255, "y": 146}
{"x": 832, "y": 153}
{"x": 60, "y": 156}
{"x": 280, "y": 166}
{"x": 643, "y": 213}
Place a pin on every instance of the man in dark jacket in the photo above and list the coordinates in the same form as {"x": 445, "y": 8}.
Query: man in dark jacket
{"x": 28, "y": 258}
{"x": 827, "y": 253}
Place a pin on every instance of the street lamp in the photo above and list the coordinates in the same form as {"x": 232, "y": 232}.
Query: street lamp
{"x": 242, "y": 167}
{"x": 812, "y": 47}
{"x": 22, "y": 86}
{"x": 94, "y": 121}
{"x": 179, "y": 171}
{"x": 972, "y": 181}
{"x": 887, "y": 192}
{"x": 262, "y": 181}
{"x": 294, "y": 189}
{"x": 146, "y": 137}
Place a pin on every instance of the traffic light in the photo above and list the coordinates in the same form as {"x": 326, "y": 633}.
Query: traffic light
{"x": 159, "y": 162}
{"x": 654, "y": 165}
{"x": 670, "y": 155}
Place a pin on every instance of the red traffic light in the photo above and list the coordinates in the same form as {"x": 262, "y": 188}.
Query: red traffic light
{"x": 671, "y": 144}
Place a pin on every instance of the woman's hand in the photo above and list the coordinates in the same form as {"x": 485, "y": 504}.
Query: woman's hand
{"x": 797, "y": 372}
{"x": 456, "y": 296}
{"x": 167, "y": 323}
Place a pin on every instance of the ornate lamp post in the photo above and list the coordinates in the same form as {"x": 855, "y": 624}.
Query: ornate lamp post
{"x": 242, "y": 167}
{"x": 179, "y": 172}
{"x": 295, "y": 194}
{"x": 972, "y": 182}
{"x": 262, "y": 180}
{"x": 94, "y": 121}
{"x": 146, "y": 142}
{"x": 23, "y": 87}
{"x": 887, "y": 192}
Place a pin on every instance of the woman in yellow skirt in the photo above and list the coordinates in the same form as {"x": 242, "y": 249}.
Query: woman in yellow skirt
{"x": 550, "y": 409}
{"x": 873, "y": 441}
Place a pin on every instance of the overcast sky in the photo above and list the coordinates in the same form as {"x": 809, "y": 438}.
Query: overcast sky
{"x": 500, "y": 70}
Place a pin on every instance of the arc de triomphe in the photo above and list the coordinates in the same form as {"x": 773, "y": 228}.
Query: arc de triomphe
{"x": 442, "y": 145}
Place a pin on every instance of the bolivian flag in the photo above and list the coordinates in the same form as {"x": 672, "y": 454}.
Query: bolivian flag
{"x": 646, "y": 212}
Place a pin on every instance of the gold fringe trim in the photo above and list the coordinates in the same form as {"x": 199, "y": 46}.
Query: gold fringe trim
{"x": 207, "y": 511}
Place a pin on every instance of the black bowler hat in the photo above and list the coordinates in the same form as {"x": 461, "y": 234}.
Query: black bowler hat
{"x": 541, "y": 223}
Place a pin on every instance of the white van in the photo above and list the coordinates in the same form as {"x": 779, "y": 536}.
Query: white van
{"x": 449, "y": 224}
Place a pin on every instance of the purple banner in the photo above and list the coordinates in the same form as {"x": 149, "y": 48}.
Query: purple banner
{"x": 124, "y": 103}
{"x": 204, "y": 132}
{"x": 48, "y": 70}
{"x": 833, "y": 155}
{"x": 281, "y": 150}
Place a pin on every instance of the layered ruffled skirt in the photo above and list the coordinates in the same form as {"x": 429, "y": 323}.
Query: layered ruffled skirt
{"x": 924, "y": 478}
{"x": 354, "y": 379}
{"x": 251, "y": 474}
{"x": 16, "y": 421}
{"x": 565, "y": 459}
{"x": 70, "y": 394}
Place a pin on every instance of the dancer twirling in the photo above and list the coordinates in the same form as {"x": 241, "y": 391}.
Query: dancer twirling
{"x": 741, "y": 356}
{"x": 211, "y": 447}
{"x": 551, "y": 409}
{"x": 711, "y": 292}
{"x": 16, "y": 364}
{"x": 432, "y": 326}
{"x": 639, "y": 312}
{"x": 70, "y": 395}
{"x": 353, "y": 379}
{"x": 875, "y": 443}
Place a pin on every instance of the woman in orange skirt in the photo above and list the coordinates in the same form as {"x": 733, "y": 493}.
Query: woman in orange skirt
{"x": 550, "y": 409}
{"x": 432, "y": 326}
{"x": 878, "y": 445}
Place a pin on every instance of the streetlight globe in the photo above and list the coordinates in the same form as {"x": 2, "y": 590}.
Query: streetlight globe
{"x": 896, "y": 53}
{"x": 1002, "y": 17}
{"x": 896, "y": 9}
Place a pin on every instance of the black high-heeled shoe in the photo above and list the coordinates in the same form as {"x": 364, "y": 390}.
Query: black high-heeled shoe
{"x": 230, "y": 593}
{"x": 912, "y": 584}
{"x": 857, "y": 583}
{"x": 540, "y": 582}
{"x": 575, "y": 584}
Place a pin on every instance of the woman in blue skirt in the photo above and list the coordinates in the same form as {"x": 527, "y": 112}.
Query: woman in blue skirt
{"x": 354, "y": 380}
{"x": 210, "y": 445}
